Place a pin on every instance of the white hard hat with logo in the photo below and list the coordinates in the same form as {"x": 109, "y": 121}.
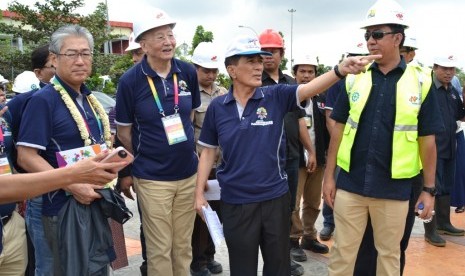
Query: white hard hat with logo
{"x": 3, "y": 80}
{"x": 358, "y": 48}
{"x": 385, "y": 12}
{"x": 410, "y": 41}
{"x": 305, "y": 60}
{"x": 133, "y": 45}
{"x": 25, "y": 82}
{"x": 446, "y": 60}
{"x": 150, "y": 19}
{"x": 205, "y": 55}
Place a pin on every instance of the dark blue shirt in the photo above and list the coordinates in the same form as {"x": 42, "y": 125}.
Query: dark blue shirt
{"x": 7, "y": 146}
{"x": 252, "y": 169}
{"x": 155, "y": 159}
{"x": 47, "y": 125}
{"x": 451, "y": 110}
{"x": 370, "y": 170}
{"x": 333, "y": 93}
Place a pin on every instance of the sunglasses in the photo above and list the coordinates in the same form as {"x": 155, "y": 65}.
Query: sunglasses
{"x": 377, "y": 35}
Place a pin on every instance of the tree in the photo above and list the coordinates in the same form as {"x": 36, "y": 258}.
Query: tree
{"x": 200, "y": 35}
{"x": 38, "y": 22}
{"x": 284, "y": 60}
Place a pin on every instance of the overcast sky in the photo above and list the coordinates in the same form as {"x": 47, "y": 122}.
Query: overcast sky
{"x": 324, "y": 28}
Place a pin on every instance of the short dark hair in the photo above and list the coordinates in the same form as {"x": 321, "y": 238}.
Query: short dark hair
{"x": 40, "y": 56}
{"x": 231, "y": 60}
{"x": 296, "y": 67}
{"x": 398, "y": 29}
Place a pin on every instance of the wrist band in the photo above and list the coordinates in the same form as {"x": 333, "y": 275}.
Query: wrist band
{"x": 336, "y": 71}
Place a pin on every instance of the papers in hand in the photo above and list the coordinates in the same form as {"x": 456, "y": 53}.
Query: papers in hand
{"x": 214, "y": 225}
{"x": 214, "y": 190}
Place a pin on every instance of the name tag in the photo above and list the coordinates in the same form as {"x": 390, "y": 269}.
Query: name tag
{"x": 308, "y": 121}
{"x": 174, "y": 129}
{"x": 5, "y": 168}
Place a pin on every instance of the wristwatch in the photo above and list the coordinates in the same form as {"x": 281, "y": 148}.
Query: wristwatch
{"x": 431, "y": 190}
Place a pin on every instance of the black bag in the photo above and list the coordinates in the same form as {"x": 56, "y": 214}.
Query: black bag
{"x": 113, "y": 205}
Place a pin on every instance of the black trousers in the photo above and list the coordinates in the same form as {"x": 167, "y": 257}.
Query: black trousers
{"x": 250, "y": 226}
{"x": 203, "y": 248}
{"x": 365, "y": 264}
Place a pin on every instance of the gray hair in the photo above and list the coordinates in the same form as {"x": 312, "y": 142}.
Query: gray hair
{"x": 56, "y": 41}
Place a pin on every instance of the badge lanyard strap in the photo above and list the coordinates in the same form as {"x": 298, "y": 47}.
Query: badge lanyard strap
{"x": 2, "y": 140}
{"x": 157, "y": 99}
{"x": 97, "y": 117}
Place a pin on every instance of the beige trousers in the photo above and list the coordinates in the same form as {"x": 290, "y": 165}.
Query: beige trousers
{"x": 168, "y": 220}
{"x": 350, "y": 216}
{"x": 13, "y": 260}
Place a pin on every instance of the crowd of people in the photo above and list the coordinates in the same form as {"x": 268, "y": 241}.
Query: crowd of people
{"x": 375, "y": 135}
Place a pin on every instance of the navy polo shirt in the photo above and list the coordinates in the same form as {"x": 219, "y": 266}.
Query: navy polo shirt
{"x": 333, "y": 93}
{"x": 370, "y": 168}
{"x": 47, "y": 125}
{"x": 451, "y": 110}
{"x": 252, "y": 169}
{"x": 155, "y": 159}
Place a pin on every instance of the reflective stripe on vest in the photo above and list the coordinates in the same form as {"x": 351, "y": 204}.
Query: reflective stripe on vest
{"x": 411, "y": 90}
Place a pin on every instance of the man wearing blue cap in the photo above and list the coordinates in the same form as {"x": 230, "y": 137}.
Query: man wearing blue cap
{"x": 248, "y": 124}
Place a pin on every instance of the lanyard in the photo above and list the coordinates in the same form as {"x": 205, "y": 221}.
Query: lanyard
{"x": 97, "y": 118}
{"x": 157, "y": 99}
{"x": 2, "y": 140}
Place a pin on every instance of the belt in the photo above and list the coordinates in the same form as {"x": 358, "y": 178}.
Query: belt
{"x": 6, "y": 219}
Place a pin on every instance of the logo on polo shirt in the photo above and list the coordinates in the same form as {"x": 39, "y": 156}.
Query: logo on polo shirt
{"x": 183, "y": 86}
{"x": 355, "y": 96}
{"x": 414, "y": 99}
{"x": 261, "y": 114}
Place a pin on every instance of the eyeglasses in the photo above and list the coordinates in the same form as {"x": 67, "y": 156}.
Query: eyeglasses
{"x": 159, "y": 38}
{"x": 377, "y": 35}
{"x": 76, "y": 55}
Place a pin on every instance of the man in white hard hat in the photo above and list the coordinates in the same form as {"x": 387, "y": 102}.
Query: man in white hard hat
{"x": 384, "y": 134}
{"x": 205, "y": 60}
{"x": 308, "y": 193}
{"x": 135, "y": 49}
{"x": 452, "y": 110}
{"x": 409, "y": 47}
{"x": 155, "y": 102}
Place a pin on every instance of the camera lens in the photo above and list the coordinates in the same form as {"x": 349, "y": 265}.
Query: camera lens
{"x": 122, "y": 154}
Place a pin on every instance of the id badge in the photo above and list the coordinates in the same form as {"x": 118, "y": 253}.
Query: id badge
{"x": 174, "y": 129}
{"x": 5, "y": 168}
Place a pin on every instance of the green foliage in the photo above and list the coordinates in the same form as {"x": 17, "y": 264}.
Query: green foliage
{"x": 224, "y": 80}
{"x": 321, "y": 68}
{"x": 284, "y": 60}
{"x": 200, "y": 35}
{"x": 38, "y": 22}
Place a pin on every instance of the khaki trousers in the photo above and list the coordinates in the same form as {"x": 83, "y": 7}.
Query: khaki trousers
{"x": 309, "y": 193}
{"x": 13, "y": 260}
{"x": 168, "y": 219}
{"x": 350, "y": 216}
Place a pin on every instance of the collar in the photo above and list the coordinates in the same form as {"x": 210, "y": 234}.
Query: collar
{"x": 148, "y": 71}
{"x": 281, "y": 76}
{"x": 215, "y": 88}
{"x": 438, "y": 84}
{"x": 83, "y": 89}
{"x": 402, "y": 65}
{"x": 257, "y": 94}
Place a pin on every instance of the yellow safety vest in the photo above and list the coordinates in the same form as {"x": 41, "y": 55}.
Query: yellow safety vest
{"x": 412, "y": 89}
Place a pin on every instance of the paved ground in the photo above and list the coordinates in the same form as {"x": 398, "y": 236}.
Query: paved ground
{"x": 422, "y": 258}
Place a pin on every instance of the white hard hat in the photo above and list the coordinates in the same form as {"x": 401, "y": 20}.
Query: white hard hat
{"x": 25, "y": 82}
{"x": 358, "y": 48}
{"x": 385, "y": 12}
{"x": 132, "y": 44}
{"x": 410, "y": 41}
{"x": 446, "y": 60}
{"x": 149, "y": 20}
{"x": 3, "y": 80}
{"x": 305, "y": 60}
{"x": 244, "y": 45}
{"x": 205, "y": 55}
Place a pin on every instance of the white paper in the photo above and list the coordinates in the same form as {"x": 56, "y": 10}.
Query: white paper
{"x": 214, "y": 190}
{"x": 214, "y": 225}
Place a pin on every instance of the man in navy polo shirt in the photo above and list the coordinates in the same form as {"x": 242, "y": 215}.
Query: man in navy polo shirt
{"x": 248, "y": 124}
{"x": 154, "y": 108}
{"x": 47, "y": 126}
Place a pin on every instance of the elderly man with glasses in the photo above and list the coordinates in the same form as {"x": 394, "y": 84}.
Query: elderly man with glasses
{"x": 384, "y": 133}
